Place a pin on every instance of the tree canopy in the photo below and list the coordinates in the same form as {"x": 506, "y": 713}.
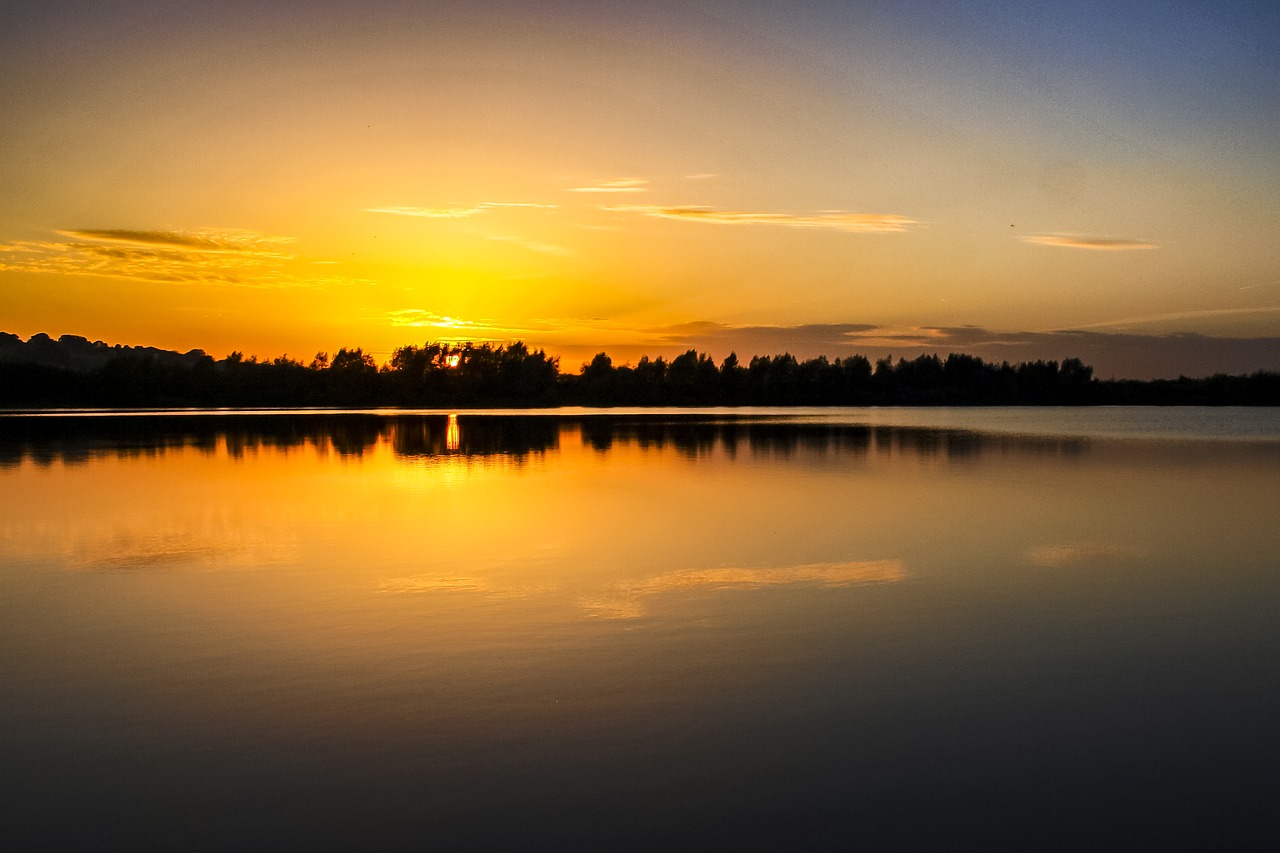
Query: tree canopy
{"x": 72, "y": 372}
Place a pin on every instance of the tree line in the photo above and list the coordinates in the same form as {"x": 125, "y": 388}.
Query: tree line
{"x": 505, "y": 375}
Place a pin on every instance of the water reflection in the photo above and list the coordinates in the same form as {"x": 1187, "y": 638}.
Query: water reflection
{"x": 75, "y": 440}
{"x": 362, "y": 631}
{"x": 1069, "y": 553}
{"x": 452, "y": 435}
{"x": 629, "y": 600}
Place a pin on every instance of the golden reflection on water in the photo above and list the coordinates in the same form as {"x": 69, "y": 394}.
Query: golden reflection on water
{"x": 1065, "y": 554}
{"x": 579, "y": 520}
{"x": 628, "y": 600}
{"x": 452, "y": 436}
{"x": 401, "y": 622}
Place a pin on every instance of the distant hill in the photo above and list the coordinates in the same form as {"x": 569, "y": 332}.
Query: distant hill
{"x": 78, "y": 354}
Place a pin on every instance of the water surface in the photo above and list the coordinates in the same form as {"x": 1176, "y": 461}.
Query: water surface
{"x": 631, "y": 630}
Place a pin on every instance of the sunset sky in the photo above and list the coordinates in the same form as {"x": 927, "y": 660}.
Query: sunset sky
{"x": 1071, "y": 179}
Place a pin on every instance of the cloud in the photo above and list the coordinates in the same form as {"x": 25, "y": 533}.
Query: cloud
{"x": 1079, "y": 241}
{"x": 428, "y": 212}
{"x": 227, "y": 241}
{"x": 624, "y": 185}
{"x": 833, "y": 338}
{"x": 459, "y": 329}
{"x": 1127, "y": 355}
{"x": 1183, "y": 315}
{"x": 209, "y": 256}
{"x": 701, "y": 176}
{"x": 1119, "y": 354}
{"x": 528, "y": 204}
{"x": 532, "y": 245}
{"x": 456, "y": 212}
{"x": 837, "y": 220}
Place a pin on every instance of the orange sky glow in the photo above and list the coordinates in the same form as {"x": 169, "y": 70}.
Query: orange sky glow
{"x": 647, "y": 178}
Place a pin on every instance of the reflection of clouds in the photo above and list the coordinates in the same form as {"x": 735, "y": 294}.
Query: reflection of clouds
{"x": 211, "y": 544}
{"x": 1077, "y": 552}
{"x": 434, "y": 583}
{"x": 628, "y": 600}
{"x": 455, "y": 583}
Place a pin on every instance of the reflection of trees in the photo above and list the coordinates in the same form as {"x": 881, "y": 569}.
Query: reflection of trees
{"x": 75, "y": 440}
{"x": 512, "y": 435}
{"x": 696, "y": 436}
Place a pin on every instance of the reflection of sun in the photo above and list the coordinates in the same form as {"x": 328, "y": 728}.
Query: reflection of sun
{"x": 452, "y": 361}
{"x": 452, "y": 436}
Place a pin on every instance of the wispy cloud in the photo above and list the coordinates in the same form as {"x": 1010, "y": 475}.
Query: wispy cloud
{"x": 208, "y": 256}
{"x": 1081, "y": 241}
{"x": 229, "y": 241}
{"x": 1120, "y": 354}
{"x": 833, "y": 338}
{"x": 458, "y": 211}
{"x": 1182, "y": 315}
{"x": 533, "y": 245}
{"x": 700, "y": 176}
{"x": 448, "y": 328}
{"x": 1127, "y": 355}
{"x": 837, "y": 220}
{"x": 428, "y": 212}
{"x": 623, "y": 185}
{"x": 528, "y": 204}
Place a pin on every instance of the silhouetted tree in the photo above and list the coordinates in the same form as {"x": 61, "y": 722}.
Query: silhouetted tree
{"x": 74, "y": 372}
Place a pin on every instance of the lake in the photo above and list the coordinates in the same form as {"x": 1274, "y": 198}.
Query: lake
{"x": 715, "y": 629}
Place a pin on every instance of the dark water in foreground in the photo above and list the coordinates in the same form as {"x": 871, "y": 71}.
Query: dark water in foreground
{"x": 696, "y": 630}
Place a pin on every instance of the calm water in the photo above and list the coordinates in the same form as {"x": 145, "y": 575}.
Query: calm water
{"x": 878, "y": 628}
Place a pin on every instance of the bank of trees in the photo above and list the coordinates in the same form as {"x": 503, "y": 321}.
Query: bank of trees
{"x": 484, "y": 375}
{"x": 434, "y": 374}
{"x": 783, "y": 380}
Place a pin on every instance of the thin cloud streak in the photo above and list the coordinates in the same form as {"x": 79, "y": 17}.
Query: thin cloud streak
{"x": 1182, "y": 315}
{"x": 428, "y": 212}
{"x": 230, "y": 241}
{"x": 457, "y": 329}
{"x": 455, "y": 212}
{"x": 835, "y": 338}
{"x": 624, "y": 185}
{"x": 836, "y": 220}
{"x": 1120, "y": 354}
{"x": 1079, "y": 241}
{"x": 533, "y": 245}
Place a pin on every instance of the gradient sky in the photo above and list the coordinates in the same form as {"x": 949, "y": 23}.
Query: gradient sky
{"x": 1076, "y": 178}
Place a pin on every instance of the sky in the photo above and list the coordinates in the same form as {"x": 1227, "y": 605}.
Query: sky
{"x": 1076, "y": 179}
